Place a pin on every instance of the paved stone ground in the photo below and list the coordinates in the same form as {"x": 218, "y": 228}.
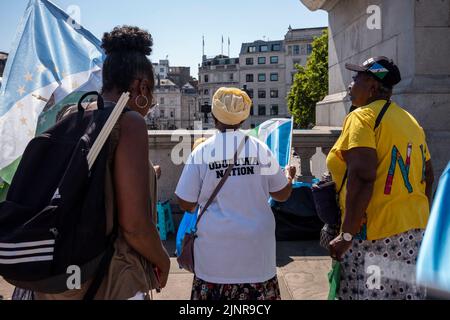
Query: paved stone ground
{"x": 302, "y": 268}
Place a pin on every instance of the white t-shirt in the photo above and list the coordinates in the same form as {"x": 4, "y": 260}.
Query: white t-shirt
{"x": 236, "y": 235}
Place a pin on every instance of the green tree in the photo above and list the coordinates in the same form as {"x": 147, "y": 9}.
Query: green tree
{"x": 310, "y": 84}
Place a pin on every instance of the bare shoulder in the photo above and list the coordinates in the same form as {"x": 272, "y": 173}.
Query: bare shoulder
{"x": 133, "y": 132}
{"x": 132, "y": 122}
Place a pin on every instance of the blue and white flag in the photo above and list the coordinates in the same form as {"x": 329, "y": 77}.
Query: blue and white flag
{"x": 277, "y": 134}
{"x": 52, "y": 56}
{"x": 433, "y": 264}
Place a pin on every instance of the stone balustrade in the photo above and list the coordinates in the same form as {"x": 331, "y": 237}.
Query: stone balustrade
{"x": 310, "y": 146}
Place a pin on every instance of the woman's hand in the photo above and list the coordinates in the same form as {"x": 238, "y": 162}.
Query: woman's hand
{"x": 338, "y": 247}
{"x": 163, "y": 270}
{"x": 290, "y": 171}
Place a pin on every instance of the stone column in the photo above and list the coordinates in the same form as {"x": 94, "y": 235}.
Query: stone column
{"x": 305, "y": 155}
{"x": 416, "y": 35}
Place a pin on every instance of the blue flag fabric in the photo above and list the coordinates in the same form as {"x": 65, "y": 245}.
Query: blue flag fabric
{"x": 433, "y": 264}
{"x": 277, "y": 135}
{"x": 51, "y": 57}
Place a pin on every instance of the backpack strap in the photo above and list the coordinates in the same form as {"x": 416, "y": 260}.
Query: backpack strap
{"x": 107, "y": 128}
{"x": 377, "y": 124}
{"x": 382, "y": 113}
{"x": 103, "y": 266}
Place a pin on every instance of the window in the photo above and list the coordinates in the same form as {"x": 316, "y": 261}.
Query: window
{"x": 206, "y": 78}
{"x": 263, "y": 48}
{"x": 261, "y": 77}
{"x": 251, "y": 110}
{"x": 296, "y": 50}
{"x": 251, "y": 49}
{"x": 262, "y": 60}
{"x": 162, "y": 113}
{"x": 276, "y": 47}
{"x": 161, "y": 100}
{"x": 249, "y": 61}
{"x": 161, "y": 70}
{"x": 309, "y": 49}
{"x": 231, "y": 77}
{"x": 274, "y": 60}
{"x": 274, "y": 110}
{"x": 249, "y": 78}
{"x": 206, "y": 92}
{"x": 303, "y": 49}
{"x": 297, "y": 61}
{"x": 250, "y": 93}
{"x": 274, "y": 77}
{"x": 261, "y": 110}
{"x": 274, "y": 93}
{"x": 172, "y": 114}
{"x": 262, "y": 94}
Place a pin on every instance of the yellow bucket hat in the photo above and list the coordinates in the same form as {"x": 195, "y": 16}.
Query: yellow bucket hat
{"x": 231, "y": 106}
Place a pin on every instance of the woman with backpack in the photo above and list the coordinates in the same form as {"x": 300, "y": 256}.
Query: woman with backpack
{"x": 140, "y": 262}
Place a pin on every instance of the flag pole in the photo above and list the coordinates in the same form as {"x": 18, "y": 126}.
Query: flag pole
{"x": 290, "y": 141}
{"x": 203, "y": 46}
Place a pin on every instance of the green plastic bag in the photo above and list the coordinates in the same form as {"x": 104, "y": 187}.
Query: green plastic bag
{"x": 334, "y": 278}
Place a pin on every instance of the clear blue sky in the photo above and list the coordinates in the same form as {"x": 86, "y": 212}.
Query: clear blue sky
{"x": 177, "y": 26}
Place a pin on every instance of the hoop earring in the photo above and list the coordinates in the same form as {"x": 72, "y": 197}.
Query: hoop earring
{"x": 141, "y": 106}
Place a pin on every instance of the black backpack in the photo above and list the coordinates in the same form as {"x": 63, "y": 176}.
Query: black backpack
{"x": 54, "y": 216}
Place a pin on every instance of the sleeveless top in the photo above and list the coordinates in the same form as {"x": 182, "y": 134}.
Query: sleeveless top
{"x": 129, "y": 273}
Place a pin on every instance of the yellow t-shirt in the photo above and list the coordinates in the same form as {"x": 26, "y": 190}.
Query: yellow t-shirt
{"x": 398, "y": 202}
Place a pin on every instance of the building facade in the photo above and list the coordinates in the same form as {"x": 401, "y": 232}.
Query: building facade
{"x": 262, "y": 74}
{"x": 167, "y": 113}
{"x": 265, "y": 69}
{"x": 213, "y": 73}
{"x": 179, "y": 75}
{"x": 161, "y": 69}
{"x": 298, "y": 47}
{"x": 176, "y": 97}
{"x": 190, "y": 112}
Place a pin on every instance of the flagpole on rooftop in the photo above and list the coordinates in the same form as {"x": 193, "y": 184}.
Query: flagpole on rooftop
{"x": 203, "y": 48}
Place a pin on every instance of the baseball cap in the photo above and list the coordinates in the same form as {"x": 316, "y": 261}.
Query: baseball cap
{"x": 381, "y": 68}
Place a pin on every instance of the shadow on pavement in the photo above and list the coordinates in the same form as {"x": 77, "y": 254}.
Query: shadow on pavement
{"x": 287, "y": 251}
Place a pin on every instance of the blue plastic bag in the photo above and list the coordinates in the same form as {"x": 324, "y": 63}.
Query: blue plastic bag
{"x": 186, "y": 225}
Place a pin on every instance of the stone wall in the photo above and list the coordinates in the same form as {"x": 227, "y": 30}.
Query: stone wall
{"x": 310, "y": 145}
{"x": 416, "y": 35}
